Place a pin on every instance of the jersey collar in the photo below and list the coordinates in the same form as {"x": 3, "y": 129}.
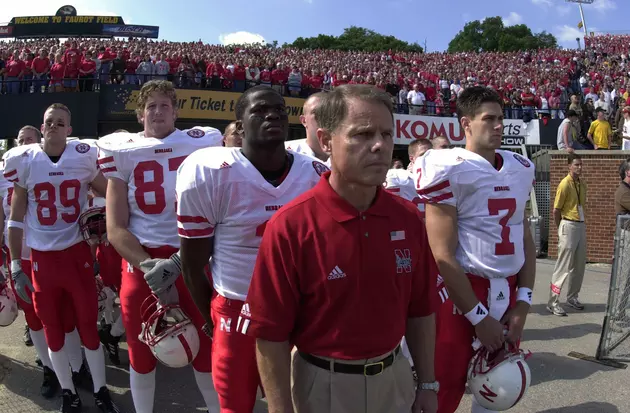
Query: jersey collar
{"x": 340, "y": 209}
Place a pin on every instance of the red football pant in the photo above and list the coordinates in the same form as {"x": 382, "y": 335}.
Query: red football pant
{"x": 234, "y": 368}
{"x": 110, "y": 264}
{"x": 32, "y": 320}
{"x": 134, "y": 290}
{"x": 65, "y": 279}
{"x": 453, "y": 349}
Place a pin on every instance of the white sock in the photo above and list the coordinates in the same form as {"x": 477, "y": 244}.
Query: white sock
{"x": 477, "y": 408}
{"x": 61, "y": 364}
{"x": 96, "y": 362}
{"x": 118, "y": 328}
{"x": 73, "y": 350}
{"x": 142, "y": 390}
{"x": 41, "y": 347}
{"x": 206, "y": 387}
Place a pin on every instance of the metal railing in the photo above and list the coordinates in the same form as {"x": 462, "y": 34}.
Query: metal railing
{"x": 614, "y": 343}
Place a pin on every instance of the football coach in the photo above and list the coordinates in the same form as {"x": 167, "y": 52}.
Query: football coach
{"x": 343, "y": 273}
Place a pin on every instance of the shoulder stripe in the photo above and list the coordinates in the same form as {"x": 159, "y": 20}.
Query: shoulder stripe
{"x": 393, "y": 190}
{"x": 187, "y": 219}
{"x": 193, "y": 233}
{"x": 435, "y": 188}
{"x": 110, "y": 169}
{"x": 105, "y": 160}
{"x": 10, "y": 173}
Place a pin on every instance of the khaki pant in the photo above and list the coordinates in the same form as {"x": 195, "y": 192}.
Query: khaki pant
{"x": 316, "y": 390}
{"x": 571, "y": 260}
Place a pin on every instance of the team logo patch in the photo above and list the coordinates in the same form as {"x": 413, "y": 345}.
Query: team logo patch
{"x": 320, "y": 168}
{"x": 403, "y": 260}
{"x": 522, "y": 160}
{"x": 83, "y": 148}
{"x": 196, "y": 133}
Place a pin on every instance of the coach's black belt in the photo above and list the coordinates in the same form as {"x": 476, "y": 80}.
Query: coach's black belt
{"x": 369, "y": 369}
{"x": 572, "y": 220}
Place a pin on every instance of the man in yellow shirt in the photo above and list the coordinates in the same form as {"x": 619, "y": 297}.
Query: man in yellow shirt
{"x": 569, "y": 216}
{"x": 600, "y": 131}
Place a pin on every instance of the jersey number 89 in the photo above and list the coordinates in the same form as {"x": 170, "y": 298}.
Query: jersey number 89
{"x": 46, "y": 199}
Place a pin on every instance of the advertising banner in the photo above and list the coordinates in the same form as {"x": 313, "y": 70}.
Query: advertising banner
{"x": 410, "y": 127}
{"x": 120, "y": 102}
{"x": 131, "y": 31}
{"x": 6, "y": 31}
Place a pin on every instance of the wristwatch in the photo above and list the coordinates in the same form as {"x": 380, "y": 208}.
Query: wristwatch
{"x": 434, "y": 386}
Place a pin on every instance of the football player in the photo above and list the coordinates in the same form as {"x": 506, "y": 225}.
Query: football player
{"x": 233, "y": 135}
{"x": 309, "y": 146}
{"x": 476, "y": 224}
{"x": 224, "y": 198}
{"x": 50, "y": 185}
{"x": 142, "y": 225}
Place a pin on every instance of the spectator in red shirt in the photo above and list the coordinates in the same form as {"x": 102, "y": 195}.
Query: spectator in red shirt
{"x": 343, "y": 272}
{"x": 279, "y": 78}
{"x": 106, "y": 57}
{"x": 56, "y": 74}
{"x": 41, "y": 68}
{"x": 15, "y": 69}
{"x": 86, "y": 73}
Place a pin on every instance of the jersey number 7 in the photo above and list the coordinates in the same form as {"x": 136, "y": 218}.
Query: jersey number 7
{"x": 495, "y": 206}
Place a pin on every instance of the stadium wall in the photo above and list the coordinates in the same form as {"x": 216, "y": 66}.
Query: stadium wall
{"x": 601, "y": 175}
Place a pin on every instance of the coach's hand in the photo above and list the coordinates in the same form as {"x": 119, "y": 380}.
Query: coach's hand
{"x": 490, "y": 332}
{"x": 426, "y": 402}
{"x": 21, "y": 283}
{"x": 161, "y": 274}
{"x": 515, "y": 319}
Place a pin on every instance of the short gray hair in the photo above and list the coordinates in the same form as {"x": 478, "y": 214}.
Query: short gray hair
{"x": 333, "y": 107}
{"x": 624, "y": 168}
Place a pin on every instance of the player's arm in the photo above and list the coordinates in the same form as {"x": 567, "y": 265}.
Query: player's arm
{"x": 441, "y": 223}
{"x": 99, "y": 186}
{"x": 15, "y": 224}
{"x": 195, "y": 254}
{"x": 117, "y": 218}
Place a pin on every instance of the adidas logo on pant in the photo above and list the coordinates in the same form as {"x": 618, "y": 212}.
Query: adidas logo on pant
{"x": 336, "y": 273}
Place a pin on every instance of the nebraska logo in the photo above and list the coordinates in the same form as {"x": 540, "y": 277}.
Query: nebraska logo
{"x": 522, "y": 160}
{"x": 83, "y": 148}
{"x": 196, "y": 133}
{"x": 487, "y": 394}
{"x": 403, "y": 260}
{"x": 320, "y": 168}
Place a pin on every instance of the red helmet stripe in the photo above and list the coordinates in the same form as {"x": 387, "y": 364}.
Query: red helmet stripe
{"x": 182, "y": 340}
{"x": 523, "y": 382}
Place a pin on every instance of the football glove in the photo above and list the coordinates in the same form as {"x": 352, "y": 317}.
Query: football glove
{"x": 160, "y": 274}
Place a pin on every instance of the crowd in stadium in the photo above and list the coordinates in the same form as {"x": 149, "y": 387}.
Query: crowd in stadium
{"x": 533, "y": 83}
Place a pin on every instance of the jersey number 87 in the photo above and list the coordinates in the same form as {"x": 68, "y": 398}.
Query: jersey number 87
{"x": 154, "y": 186}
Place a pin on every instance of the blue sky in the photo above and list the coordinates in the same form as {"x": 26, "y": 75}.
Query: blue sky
{"x": 284, "y": 20}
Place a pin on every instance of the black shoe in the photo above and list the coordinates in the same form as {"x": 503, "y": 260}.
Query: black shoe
{"x": 104, "y": 401}
{"x": 39, "y": 362}
{"x": 82, "y": 378}
{"x": 110, "y": 343}
{"x": 27, "y": 336}
{"x": 71, "y": 402}
{"x": 50, "y": 385}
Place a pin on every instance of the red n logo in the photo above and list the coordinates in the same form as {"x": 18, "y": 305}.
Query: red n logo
{"x": 2, "y": 307}
{"x": 487, "y": 394}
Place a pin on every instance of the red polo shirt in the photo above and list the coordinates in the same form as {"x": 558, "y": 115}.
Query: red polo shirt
{"x": 341, "y": 283}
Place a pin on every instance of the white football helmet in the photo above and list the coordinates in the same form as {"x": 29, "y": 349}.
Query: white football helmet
{"x": 499, "y": 380}
{"x": 169, "y": 333}
{"x": 8, "y": 305}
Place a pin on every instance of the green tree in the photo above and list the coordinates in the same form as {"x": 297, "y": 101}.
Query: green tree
{"x": 355, "y": 38}
{"x": 492, "y": 35}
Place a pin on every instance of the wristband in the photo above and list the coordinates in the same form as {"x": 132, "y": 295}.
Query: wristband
{"x": 16, "y": 265}
{"x": 15, "y": 224}
{"x": 478, "y": 313}
{"x": 524, "y": 294}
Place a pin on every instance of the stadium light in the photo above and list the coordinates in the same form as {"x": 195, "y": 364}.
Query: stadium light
{"x": 579, "y": 3}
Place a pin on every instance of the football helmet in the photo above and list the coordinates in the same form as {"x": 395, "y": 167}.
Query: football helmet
{"x": 499, "y": 380}
{"x": 8, "y": 305}
{"x": 169, "y": 333}
{"x": 92, "y": 225}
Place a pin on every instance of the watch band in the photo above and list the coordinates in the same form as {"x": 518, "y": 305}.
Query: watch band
{"x": 434, "y": 386}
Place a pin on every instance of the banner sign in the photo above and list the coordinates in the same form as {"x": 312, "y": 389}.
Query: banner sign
{"x": 6, "y": 31}
{"x": 131, "y": 31}
{"x": 62, "y": 25}
{"x": 410, "y": 127}
{"x": 120, "y": 101}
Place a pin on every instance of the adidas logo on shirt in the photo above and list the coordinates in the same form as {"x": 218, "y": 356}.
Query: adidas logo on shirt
{"x": 500, "y": 296}
{"x": 336, "y": 273}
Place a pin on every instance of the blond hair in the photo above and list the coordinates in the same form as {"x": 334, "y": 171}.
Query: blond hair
{"x": 161, "y": 86}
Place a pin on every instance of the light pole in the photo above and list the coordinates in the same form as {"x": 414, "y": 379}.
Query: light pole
{"x": 580, "y": 2}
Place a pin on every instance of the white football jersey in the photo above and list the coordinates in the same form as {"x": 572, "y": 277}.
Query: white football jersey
{"x": 57, "y": 192}
{"x": 400, "y": 182}
{"x": 6, "y": 192}
{"x": 490, "y": 205}
{"x": 221, "y": 194}
{"x": 300, "y": 146}
{"x": 149, "y": 168}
